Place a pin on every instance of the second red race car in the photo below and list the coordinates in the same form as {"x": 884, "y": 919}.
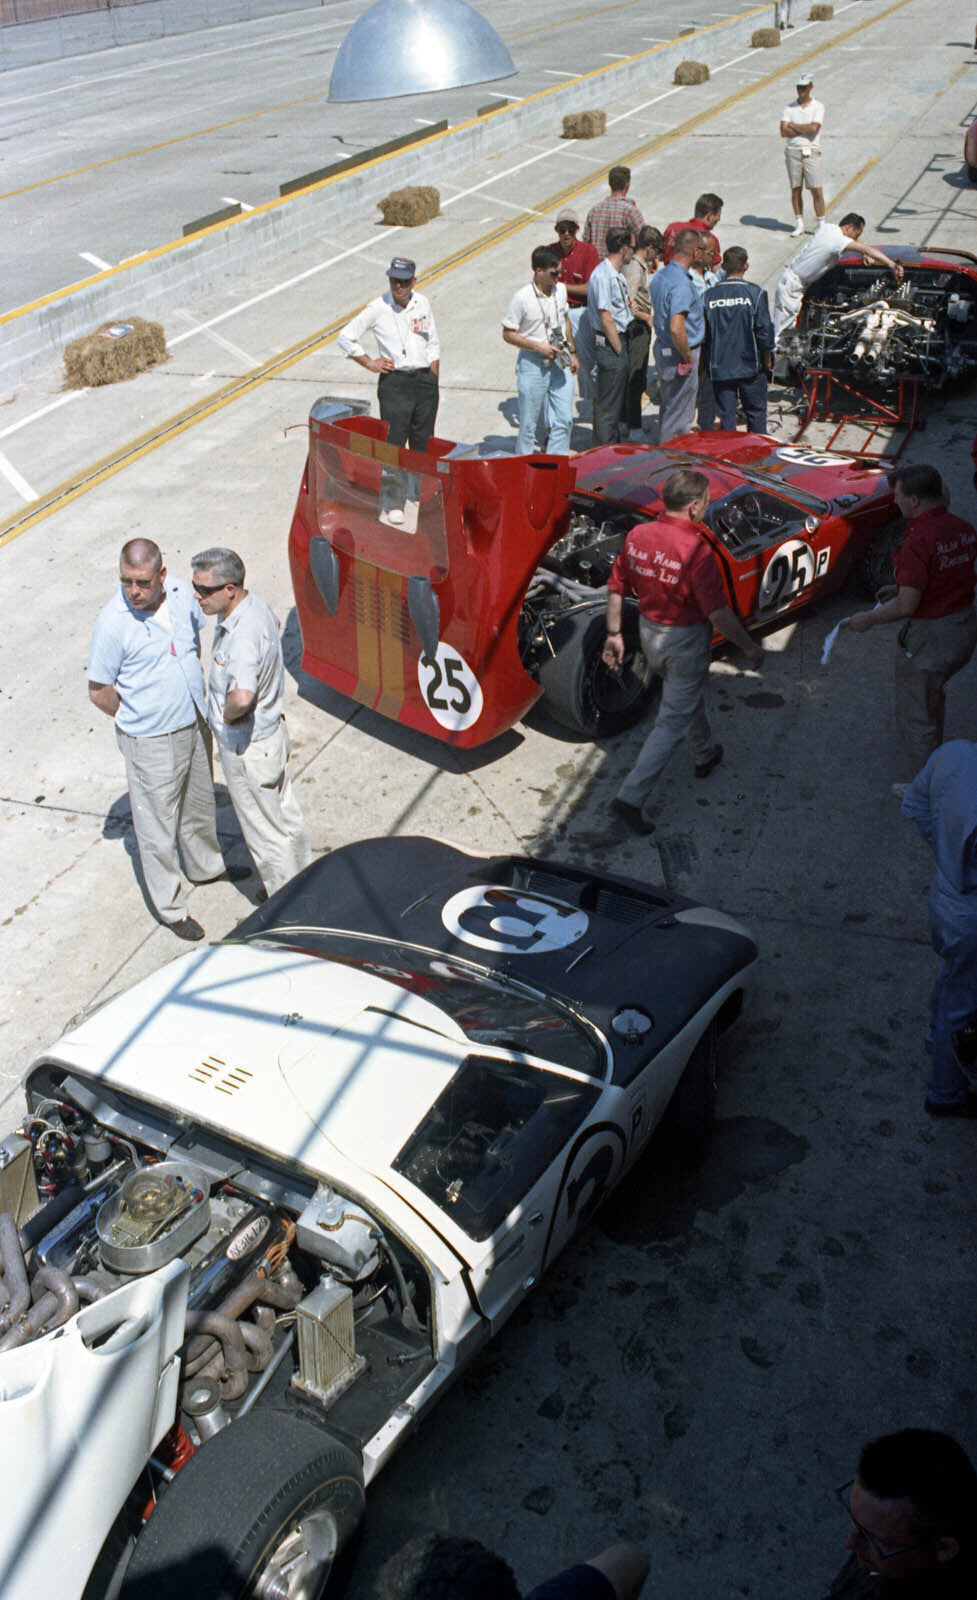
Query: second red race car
{"x": 491, "y": 594}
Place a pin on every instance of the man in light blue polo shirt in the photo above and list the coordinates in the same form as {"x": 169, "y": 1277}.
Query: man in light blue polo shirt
{"x": 610, "y": 316}
{"x": 679, "y": 329}
{"x": 144, "y": 670}
{"x": 245, "y": 699}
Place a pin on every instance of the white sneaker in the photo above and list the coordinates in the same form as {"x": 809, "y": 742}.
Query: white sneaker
{"x": 798, "y": 228}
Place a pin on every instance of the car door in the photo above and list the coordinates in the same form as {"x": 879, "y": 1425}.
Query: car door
{"x": 773, "y": 552}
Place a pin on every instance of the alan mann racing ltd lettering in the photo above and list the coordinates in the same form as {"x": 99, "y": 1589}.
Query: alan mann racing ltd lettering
{"x": 657, "y": 564}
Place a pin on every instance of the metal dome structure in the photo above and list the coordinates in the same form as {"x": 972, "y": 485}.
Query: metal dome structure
{"x": 402, "y": 47}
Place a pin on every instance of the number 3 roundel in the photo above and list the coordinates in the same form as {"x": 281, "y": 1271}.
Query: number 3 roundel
{"x": 451, "y": 691}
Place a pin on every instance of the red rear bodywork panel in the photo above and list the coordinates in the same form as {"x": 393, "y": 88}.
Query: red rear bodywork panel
{"x": 481, "y": 528}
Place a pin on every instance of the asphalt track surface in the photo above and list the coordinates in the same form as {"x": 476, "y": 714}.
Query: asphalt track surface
{"x": 700, "y": 1367}
{"x": 108, "y": 155}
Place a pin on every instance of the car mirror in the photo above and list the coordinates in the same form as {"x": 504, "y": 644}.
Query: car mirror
{"x": 811, "y": 524}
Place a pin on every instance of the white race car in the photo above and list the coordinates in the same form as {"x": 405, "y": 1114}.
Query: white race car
{"x": 267, "y": 1204}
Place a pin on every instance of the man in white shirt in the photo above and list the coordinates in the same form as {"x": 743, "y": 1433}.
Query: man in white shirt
{"x": 245, "y": 700}
{"x": 538, "y": 324}
{"x": 800, "y": 125}
{"x": 832, "y": 240}
{"x": 408, "y": 361}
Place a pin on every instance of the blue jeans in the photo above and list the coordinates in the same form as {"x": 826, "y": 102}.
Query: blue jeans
{"x": 545, "y": 392}
{"x": 953, "y": 928}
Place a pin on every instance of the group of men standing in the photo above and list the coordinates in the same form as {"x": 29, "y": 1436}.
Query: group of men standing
{"x": 607, "y": 296}
{"x": 145, "y": 672}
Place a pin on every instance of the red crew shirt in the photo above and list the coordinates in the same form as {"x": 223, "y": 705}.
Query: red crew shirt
{"x": 698, "y": 226}
{"x": 671, "y": 569}
{"x": 937, "y": 557}
{"x": 577, "y": 265}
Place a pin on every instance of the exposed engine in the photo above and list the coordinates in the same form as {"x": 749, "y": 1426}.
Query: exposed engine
{"x": 283, "y": 1275}
{"x": 877, "y": 332}
{"x": 573, "y": 572}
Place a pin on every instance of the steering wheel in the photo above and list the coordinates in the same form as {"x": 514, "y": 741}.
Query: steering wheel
{"x": 750, "y": 513}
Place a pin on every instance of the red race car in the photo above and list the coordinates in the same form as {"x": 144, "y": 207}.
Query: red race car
{"x": 491, "y": 592}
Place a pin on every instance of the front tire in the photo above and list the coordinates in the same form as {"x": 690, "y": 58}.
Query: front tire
{"x": 579, "y": 691}
{"x": 263, "y": 1509}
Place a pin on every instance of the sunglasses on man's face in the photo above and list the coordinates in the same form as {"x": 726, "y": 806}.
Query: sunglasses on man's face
{"x": 207, "y": 589}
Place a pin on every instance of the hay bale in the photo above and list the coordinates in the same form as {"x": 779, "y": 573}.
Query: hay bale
{"x": 585, "y": 125}
{"x": 691, "y": 72}
{"x": 115, "y": 351}
{"x": 410, "y": 207}
{"x": 765, "y": 38}
{"x": 820, "y": 13}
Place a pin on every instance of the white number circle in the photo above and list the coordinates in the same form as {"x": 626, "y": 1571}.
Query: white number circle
{"x": 789, "y": 570}
{"x": 510, "y": 922}
{"x": 451, "y": 691}
{"x": 813, "y": 458}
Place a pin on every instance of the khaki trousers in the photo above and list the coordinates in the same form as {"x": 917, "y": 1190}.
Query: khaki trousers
{"x": 266, "y": 807}
{"x": 171, "y": 793}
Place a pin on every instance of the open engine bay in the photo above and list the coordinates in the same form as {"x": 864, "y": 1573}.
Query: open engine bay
{"x": 858, "y": 322}
{"x": 294, "y": 1289}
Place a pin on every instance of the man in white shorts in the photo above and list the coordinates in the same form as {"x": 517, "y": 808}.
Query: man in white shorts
{"x": 816, "y": 257}
{"x": 800, "y": 125}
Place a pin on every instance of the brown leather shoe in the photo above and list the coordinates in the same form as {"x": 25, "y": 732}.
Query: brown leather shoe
{"x": 187, "y": 928}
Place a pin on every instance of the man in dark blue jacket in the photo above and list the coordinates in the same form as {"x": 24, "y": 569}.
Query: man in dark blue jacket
{"x": 739, "y": 343}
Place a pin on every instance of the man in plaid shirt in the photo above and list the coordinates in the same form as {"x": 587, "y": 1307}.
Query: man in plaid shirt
{"x": 614, "y": 211}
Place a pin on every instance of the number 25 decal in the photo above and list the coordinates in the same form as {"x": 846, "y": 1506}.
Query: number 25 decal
{"x": 791, "y": 568}
{"x": 451, "y": 691}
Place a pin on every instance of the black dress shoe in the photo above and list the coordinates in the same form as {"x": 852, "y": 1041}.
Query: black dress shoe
{"x": 187, "y": 928}
{"x": 710, "y": 764}
{"x": 632, "y": 815}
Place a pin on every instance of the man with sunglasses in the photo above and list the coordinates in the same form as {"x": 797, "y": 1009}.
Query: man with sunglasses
{"x": 245, "y": 699}
{"x": 912, "y": 1510}
{"x": 144, "y": 671}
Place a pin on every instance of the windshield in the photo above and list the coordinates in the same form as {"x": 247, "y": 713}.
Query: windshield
{"x": 488, "y": 1010}
{"x": 489, "y": 1136}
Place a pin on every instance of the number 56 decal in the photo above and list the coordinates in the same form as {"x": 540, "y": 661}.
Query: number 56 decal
{"x": 451, "y": 691}
{"x": 791, "y": 568}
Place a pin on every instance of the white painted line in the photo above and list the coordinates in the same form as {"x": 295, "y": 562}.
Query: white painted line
{"x": 732, "y": 62}
{"x": 550, "y": 72}
{"x": 427, "y": 122}
{"x": 495, "y": 95}
{"x": 232, "y": 200}
{"x": 610, "y": 55}
{"x": 588, "y": 161}
{"x": 526, "y": 211}
{"x": 35, "y": 416}
{"x": 652, "y": 38}
{"x": 15, "y": 480}
{"x": 96, "y": 261}
{"x": 643, "y": 106}
{"x": 218, "y": 338}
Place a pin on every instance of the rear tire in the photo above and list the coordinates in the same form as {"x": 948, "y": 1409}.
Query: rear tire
{"x": 270, "y": 1500}
{"x": 579, "y": 691}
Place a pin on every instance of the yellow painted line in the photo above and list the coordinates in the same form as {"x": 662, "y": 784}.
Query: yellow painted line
{"x": 859, "y": 175}
{"x": 90, "y": 478}
{"x": 149, "y": 149}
